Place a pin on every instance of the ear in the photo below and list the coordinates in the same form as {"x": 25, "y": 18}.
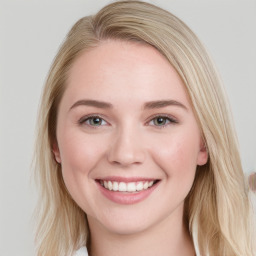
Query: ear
{"x": 202, "y": 157}
{"x": 56, "y": 152}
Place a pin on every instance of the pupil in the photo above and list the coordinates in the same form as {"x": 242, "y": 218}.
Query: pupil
{"x": 96, "y": 121}
{"x": 160, "y": 121}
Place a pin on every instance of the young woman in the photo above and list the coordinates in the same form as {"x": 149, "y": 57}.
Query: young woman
{"x": 136, "y": 152}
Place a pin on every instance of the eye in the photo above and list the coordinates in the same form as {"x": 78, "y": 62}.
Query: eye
{"x": 93, "y": 121}
{"x": 162, "y": 121}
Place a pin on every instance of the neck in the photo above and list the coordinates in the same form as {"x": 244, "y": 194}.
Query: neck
{"x": 168, "y": 238}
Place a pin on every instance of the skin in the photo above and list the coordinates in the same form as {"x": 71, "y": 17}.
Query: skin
{"x": 129, "y": 142}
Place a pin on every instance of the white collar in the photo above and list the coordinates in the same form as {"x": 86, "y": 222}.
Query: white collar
{"x": 81, "y": 252}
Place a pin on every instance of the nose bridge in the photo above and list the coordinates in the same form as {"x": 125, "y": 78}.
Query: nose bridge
{"x": 127, "y": 147}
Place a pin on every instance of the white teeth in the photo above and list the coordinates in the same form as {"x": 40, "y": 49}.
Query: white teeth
{"x": 139, "y": 186}
{"x": 126, "y": 187}
{"x": 115, "y": 186}
{"x": 145, "y": 186}
{"x": 122, "y": 187}
{"x": 131, "y": 187}
{"x": 110, "y": 186}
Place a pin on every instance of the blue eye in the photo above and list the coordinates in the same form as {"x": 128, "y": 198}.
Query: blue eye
{"x": 93, "y": 121}
{"x": 162, "y": 121}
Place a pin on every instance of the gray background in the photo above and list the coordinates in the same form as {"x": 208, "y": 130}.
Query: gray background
{"x": 30, "y": 34}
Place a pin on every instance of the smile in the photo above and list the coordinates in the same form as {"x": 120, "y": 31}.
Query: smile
{"x": 127, "y": 186}
{"x": 126, "y": 190}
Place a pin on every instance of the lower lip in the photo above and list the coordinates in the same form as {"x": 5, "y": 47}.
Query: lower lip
{"x": 126, "y": 197}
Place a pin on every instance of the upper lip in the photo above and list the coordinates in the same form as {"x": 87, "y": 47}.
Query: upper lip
{"x": 126, "y": 179}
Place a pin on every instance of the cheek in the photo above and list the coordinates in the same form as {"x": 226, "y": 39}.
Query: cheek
{"x": 79, "y": 156}
{"x": 178, "y": 157}
{"x": 78, "y": 151}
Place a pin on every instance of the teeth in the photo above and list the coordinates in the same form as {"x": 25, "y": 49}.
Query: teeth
{"x": 127, "y": 187}
{"x": 115, "y": 186}
{"x": 139, "y": 186}
{"x": 145, "y": 186}
{"x": 122, "y": 187}
{"x": 131, "y": 187}
{"x": 110, "y": 186}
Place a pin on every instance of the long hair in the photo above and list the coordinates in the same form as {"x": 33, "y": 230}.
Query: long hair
{"x": 217, "y": 207}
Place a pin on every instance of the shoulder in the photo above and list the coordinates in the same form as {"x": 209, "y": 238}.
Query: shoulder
{"x": 81, "y": 252}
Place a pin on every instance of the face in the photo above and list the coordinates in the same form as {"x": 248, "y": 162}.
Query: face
{"x": 127, "y": 138}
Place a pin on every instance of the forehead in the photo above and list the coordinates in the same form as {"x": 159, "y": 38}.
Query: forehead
{"x": 139, "y": 71}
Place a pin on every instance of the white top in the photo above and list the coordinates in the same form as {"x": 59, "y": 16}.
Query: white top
{"x": 81, "y": 252}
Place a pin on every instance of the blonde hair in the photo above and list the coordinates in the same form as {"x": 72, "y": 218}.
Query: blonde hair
{"x": 217, "y": 205}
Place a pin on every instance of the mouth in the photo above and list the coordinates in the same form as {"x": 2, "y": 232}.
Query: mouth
{"x": 127, "y": 187}
{"x": 127, "y": 190}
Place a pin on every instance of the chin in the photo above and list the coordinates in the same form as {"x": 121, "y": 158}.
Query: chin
{"x": 123, "y": 221}
{"x": 127, "y": 228}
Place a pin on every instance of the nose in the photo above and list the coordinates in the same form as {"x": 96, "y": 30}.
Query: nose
{"x": 126, "y": 148}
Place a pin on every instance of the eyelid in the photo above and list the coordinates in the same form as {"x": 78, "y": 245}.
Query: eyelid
{"x": 172, "y": 120}
{"x": 86, "y": 117}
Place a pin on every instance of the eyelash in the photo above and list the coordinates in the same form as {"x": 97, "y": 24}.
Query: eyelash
{"x": 165, "y": 117}
{"x": 88, "y": 118}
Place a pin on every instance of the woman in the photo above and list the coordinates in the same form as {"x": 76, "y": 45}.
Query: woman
{"x": 136, "y": 153}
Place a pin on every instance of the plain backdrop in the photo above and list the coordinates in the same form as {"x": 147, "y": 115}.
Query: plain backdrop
{"x": 30, "y": 34}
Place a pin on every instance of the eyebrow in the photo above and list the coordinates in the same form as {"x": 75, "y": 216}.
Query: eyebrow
{"x": 92, "y": 103}
{"x": 163, "y": 103}
{"x": 148, "y": 105}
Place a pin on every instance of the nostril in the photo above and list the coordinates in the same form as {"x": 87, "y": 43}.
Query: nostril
{"x": 126, "y": 158}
